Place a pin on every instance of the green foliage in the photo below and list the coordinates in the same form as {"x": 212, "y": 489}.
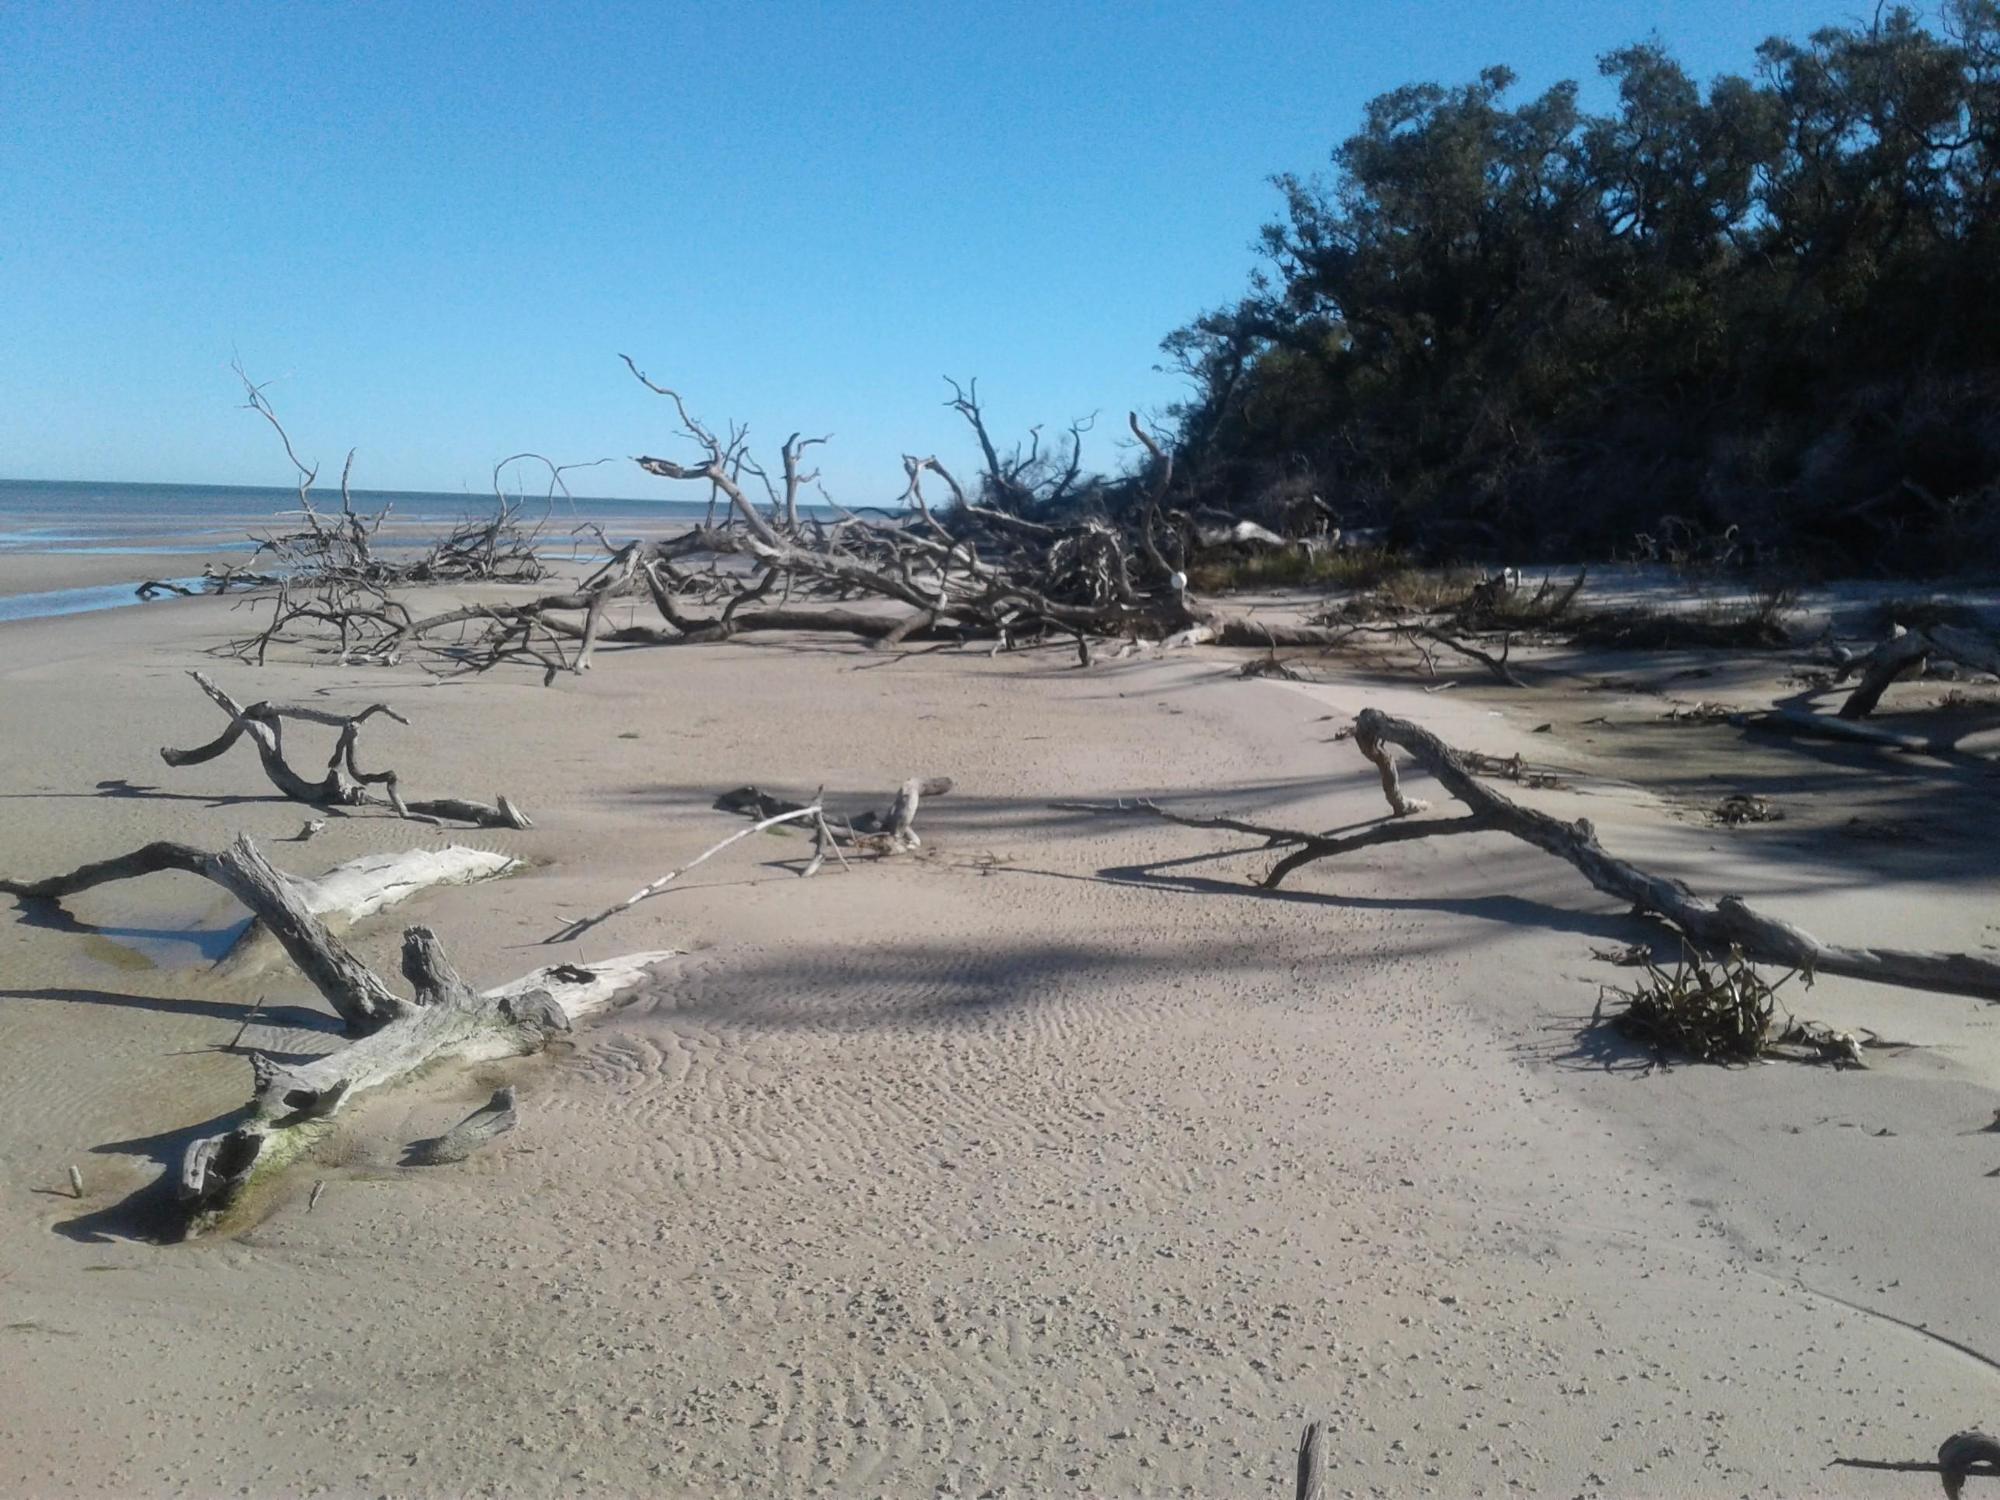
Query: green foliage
{"x": 1774, "y": 303}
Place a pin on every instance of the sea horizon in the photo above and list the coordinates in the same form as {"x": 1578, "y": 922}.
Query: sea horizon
{"x": 60, "y": 515}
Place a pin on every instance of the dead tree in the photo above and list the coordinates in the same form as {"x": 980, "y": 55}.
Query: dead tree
{"x": 396, "y": 1035}
{"x": 1032, "y": 549}
{"x": 1905, "y": 653}
{"x": 1718, "y": 925}
{"x": 344, "y": 783}
{"x": 325, "y": 549}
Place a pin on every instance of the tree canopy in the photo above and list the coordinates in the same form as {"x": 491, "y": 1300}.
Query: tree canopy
{"x": 1772, "y": 304}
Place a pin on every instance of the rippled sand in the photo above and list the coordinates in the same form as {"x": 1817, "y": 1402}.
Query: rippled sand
{"x": 1055, "y": 1160}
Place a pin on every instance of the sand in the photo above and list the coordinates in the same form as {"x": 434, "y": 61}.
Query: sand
{"x": 1053, "y": 1161}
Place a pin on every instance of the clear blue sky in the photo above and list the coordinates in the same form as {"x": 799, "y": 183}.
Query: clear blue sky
{"x": 435, "y": 225}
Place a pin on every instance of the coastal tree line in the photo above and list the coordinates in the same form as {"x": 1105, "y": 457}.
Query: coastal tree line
{"x": 1517, "y": 326}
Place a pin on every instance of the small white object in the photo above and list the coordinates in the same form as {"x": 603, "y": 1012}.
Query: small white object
{"x": 1177, "y": 582}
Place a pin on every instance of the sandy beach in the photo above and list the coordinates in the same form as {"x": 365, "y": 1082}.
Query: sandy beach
{"x": 1053, "y": 1159}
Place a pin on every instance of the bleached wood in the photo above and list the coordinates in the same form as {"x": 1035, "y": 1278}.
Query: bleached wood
{"x": 1717, "y": 924}
{"x": 290, "y": 1105}
{"x": 1901, "y": 653}
{"x": 1312, "y": 1465}
{"x": 372, "y": 883}
{"x": 583, "y": 924}
{"x": 903, "y": 813}
{"x": 444, "y": 1020}
{"x": 278, "y": 901}
{"x": 484, "y": 1125}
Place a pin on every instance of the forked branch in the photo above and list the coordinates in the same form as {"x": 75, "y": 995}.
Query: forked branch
{"x": 344, "y": 783}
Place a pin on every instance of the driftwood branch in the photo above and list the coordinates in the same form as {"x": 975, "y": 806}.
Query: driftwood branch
{"x": 1962, "y": 1456}
{"x": 344, "y": 783}
{"x": 645, "y": 892}
{"x": 487, "y": 1123}
{"x": 279, "y": 902}
{"x": 1719, "y": 924}
{"x": 872, "y": 830}
{"x": 880, "y": 833}
{"x": 1905, "y": 652}
{"x": 1312, "y": 1465}
{"x": 443, "y": 1018}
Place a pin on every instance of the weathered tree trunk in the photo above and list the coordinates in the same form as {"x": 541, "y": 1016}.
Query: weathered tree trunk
{"x": 1725, "y": 922}
{"x": 1902, "y": 653}
{"x": 446, "y": 1021}
{"x": 362, "y": 887}
{"x": 442, "y": 1020}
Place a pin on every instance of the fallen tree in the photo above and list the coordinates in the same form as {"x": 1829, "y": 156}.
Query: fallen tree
{"x": 1033, "y": 549}
{"x": 443, "y": 1019}
{"x": 323, "y": 549}
{"x": 1717, "y": 925}
{"x": 1906, "y": 653}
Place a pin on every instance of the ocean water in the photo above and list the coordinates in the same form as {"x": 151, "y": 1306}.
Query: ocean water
{"x": 85, "y": 518}
{"x": 82, "y": 516}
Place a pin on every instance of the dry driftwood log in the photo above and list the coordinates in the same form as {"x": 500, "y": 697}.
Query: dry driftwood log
{"x": 1717, "y": 925}
{"x": 1311, "y": 1483}
{"x": 371, "y": 883}
{"x": 1725, "y": 922}
{"x": 344, "y": 783}
{"x": 396, "y": 1035}
{"x": 1904, "y": 653}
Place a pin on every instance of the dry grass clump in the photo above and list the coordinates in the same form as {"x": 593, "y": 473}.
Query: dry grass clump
{"x": 1711, "y": 1009}
{"x": 1400, "y": 592}
{"x": 1493, "y": 605}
